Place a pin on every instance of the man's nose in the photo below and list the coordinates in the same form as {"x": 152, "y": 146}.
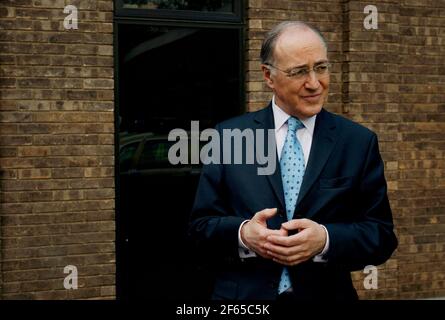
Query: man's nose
{"x": 312, "y": 82}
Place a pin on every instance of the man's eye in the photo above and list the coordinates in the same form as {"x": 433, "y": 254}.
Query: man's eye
{"x": 321, "y": 68}
{"x": 298, "y": 73}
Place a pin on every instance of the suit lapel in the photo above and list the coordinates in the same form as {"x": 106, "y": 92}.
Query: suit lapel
{"x": 323, "y": 142}
{"x": 264, "y": 120}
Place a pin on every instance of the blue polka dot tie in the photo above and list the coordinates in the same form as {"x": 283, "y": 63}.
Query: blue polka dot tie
{"x": 292, "y": 171}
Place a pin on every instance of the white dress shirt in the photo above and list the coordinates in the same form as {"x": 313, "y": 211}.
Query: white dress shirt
{"x": 304, "y": 136}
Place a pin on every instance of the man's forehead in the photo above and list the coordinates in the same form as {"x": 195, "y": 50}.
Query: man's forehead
{"x": 299, "y": 37}
{"x": 300, "y": 47}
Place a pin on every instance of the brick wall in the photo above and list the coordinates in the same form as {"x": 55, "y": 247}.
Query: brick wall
{"x": 420, "y": 187}
{"x": 56, "y": 149}
{"x": 391, "y": 80}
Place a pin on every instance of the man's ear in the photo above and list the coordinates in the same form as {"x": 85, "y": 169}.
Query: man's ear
{"x": 267, "y": 76}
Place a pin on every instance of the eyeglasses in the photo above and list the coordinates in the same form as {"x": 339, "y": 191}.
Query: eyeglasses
{"x": 297, "y": 73}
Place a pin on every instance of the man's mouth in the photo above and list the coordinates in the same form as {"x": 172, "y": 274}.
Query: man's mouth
{"x": 312, "y": 97}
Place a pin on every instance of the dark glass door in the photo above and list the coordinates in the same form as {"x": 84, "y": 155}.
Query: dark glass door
{"x": 167, "y": 77}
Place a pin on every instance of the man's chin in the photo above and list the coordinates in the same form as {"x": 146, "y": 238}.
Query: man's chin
{"x": 311, "y": 110}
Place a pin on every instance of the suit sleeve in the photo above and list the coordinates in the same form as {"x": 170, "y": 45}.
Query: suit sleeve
{"x": 370, "y": 239}
{"x": 212, "y": 228}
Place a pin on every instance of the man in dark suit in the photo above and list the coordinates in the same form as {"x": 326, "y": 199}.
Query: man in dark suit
{"x": 299, "y": 232}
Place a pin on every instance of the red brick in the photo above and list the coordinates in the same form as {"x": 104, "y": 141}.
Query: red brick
{"x": 56, "y": 127}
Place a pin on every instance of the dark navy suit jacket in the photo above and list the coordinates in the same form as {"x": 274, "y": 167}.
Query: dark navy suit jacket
{"x": 343, "y": 188}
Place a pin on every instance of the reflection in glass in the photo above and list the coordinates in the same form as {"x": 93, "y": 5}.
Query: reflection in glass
{"x": 172, "y": 76}
{"x": 168, "y": 77}
{"x": 195, "y": 5}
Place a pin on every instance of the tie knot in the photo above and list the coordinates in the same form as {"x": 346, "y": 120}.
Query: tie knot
{"x": 294, "y": 124}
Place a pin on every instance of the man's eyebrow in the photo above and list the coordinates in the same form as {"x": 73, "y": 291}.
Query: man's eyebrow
{"x": 321, "y": 61}
{"x": 305, "y": 65}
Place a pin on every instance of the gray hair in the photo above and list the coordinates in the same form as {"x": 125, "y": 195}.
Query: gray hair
{"x": 269, "y": 42}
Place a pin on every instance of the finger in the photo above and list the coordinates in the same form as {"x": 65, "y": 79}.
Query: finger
{"x": 283, "y": 251}
{"x": 265, "y": 214}
{"x": 273, "y": 232}
{"x": 263, "y": 232}
{"x": 285, "y": 257}
{"x": 286, "y": 241}
{"x": 263, "y": 252}
{"x": 289, "y": 260}
{"x": 289, "y": 263}
{"x": 283, "y": 232}
{"x": 297, "y": 224}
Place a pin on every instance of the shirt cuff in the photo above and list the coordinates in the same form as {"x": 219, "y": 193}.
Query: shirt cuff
{"x": 243, "y": 250}
{"x": 319, "y": 257}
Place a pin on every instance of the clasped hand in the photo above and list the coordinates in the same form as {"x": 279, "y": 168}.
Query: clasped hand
{"x": 278, "y": 245}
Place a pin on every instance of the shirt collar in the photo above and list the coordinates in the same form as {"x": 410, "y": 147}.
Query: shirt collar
{"x": 281, "y": 117}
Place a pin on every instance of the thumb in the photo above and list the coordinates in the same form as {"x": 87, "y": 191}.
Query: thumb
{"x": 265, "y": 214}
{"x": 297, "y": 224}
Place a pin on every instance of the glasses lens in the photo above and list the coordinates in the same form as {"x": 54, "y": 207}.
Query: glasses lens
{"x": 298, "y": 73}
{"x": 322, "y": 68}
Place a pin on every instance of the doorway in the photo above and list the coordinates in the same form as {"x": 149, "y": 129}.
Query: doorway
{"x": 171, "y": 69}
